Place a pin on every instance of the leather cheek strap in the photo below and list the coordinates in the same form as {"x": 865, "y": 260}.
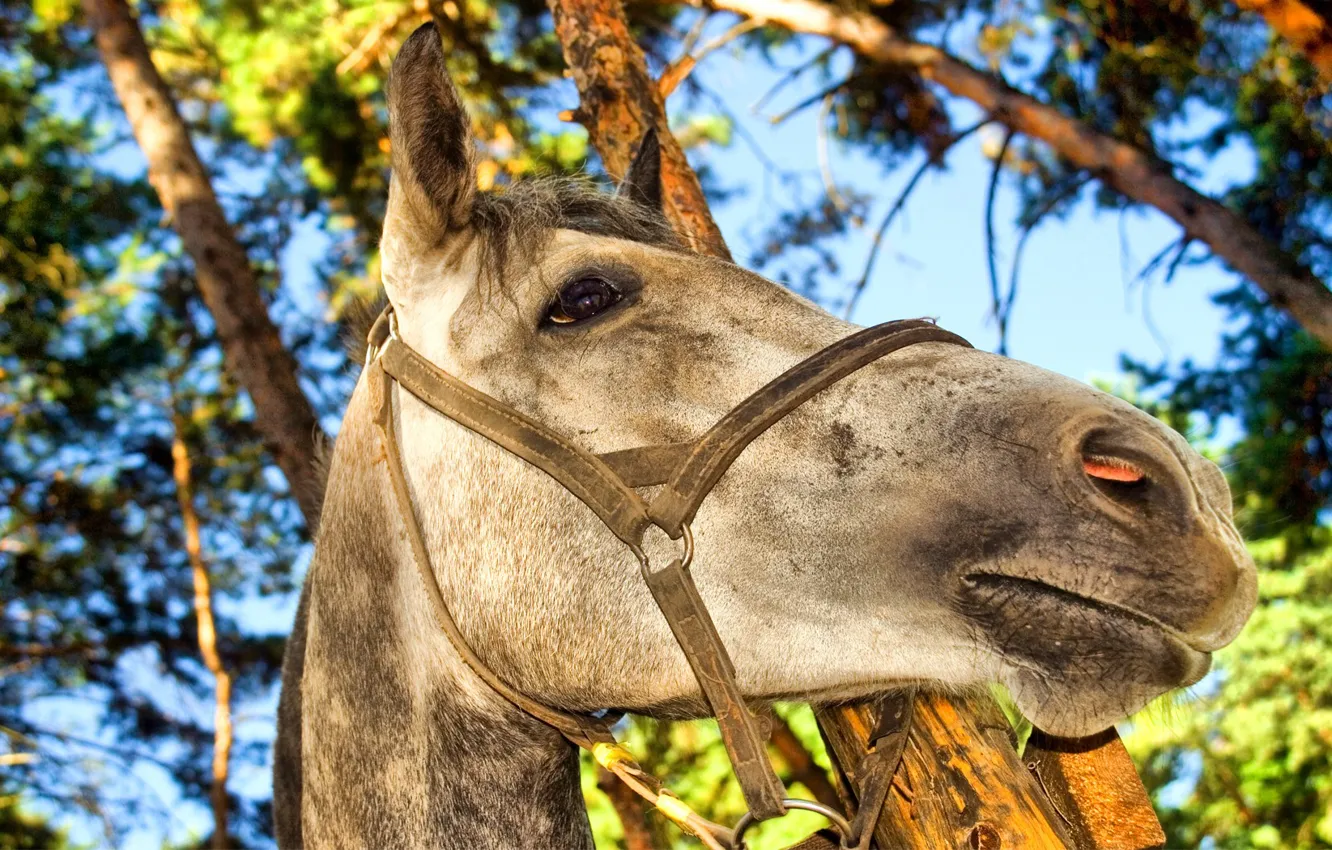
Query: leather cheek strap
{"x": 582, "y": 730}
{"x": 585, "y": 475}
{"x": 606, "y": 483}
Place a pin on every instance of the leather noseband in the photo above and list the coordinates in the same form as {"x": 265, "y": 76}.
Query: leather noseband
{"x": 607, "y": 484}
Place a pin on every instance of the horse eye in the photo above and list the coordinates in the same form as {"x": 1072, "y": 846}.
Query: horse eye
{"x": 581, "y": 300}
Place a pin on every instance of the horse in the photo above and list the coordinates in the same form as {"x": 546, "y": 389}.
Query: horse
{"x": 942, "y": 516}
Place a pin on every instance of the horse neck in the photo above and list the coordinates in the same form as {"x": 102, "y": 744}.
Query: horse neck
{"x": 402, "y": 745}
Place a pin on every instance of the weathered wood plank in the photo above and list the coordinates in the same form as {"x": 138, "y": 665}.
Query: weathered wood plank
{"x": 1094, "y": 783}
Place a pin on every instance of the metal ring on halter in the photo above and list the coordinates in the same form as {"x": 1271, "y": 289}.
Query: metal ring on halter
{"x": 686, "y": 558}
{"x": 834, "y": 817}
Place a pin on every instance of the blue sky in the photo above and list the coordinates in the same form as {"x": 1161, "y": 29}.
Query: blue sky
{"x": 1075, "y": 314}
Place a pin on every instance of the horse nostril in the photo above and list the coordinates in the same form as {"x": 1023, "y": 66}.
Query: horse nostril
{"x": 1129, "y": 468}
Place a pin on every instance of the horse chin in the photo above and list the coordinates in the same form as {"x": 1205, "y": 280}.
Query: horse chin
{"x": 1076, "y": 666}
{"x": 1065, "y": 708}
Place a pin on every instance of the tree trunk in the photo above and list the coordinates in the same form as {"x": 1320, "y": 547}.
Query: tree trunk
{"x": 252, "y": 349}
{"x": 1289, "y": 286}
{"x": 961, "y": 783}
{"x": 1304, "y": 28}
{"x": 620, "y": 102}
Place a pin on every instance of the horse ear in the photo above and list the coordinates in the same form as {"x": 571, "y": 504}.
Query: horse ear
{"x": 642, "y": 184}
{"x": 430, "y": 135}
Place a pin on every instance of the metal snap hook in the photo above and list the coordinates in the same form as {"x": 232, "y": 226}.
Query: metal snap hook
{"x": 838, "y": 821}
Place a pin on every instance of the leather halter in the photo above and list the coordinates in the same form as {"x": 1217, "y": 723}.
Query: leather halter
{"x": 606, "y": 483}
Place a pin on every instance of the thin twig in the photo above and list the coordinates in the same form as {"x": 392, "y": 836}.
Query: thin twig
{"x": 1068, "y": 190}
{"x": 770, "y": 168}
{"x": 897, "y": 206}
{"x": 996, "y": 302}
{"x": 681, "y": 68}
{"x": 1159, "y": 257}
{"x": 810, "y": 101}
{"x": 825, "y": 166}
{"x": 790, "y": 77}
{"x": 695, "y": 33}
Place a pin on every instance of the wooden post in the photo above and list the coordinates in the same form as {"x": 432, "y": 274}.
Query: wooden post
{"x": 962, "y": 784}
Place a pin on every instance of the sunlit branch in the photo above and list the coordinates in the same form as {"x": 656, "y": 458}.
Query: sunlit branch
{"x": 1302, "y": 26}
{"x": 825, "y": 165}
{"x": 203, "y": 614}
{"x": 372, "y": 44}
{"x": 681, "y": 68}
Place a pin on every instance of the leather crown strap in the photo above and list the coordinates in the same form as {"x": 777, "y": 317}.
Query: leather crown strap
{"x": 606, "y": 483}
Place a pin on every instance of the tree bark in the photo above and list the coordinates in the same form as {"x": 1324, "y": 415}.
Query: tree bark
{"x": 619, "y": 102}
{"x": 1305, "y": 29}
{"x": 1128, "y": 170}
{"x": 251, "y": 346}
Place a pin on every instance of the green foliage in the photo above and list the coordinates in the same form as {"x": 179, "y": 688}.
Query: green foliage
{"x": 690, "y": 759}
{"x": 22, "y": 830}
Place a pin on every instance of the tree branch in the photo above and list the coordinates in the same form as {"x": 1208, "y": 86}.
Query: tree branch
{"x": 251, "y": 346}
{"x": 801, "y": 764}
{"x": 203, "y": 614}
{"x": 1299, "y": 24}
{"x": 681, "y": 68}
{"x": 372, "y": 43}
{"x": 1127, "y": 169}
{"x": 897, "y": 207}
